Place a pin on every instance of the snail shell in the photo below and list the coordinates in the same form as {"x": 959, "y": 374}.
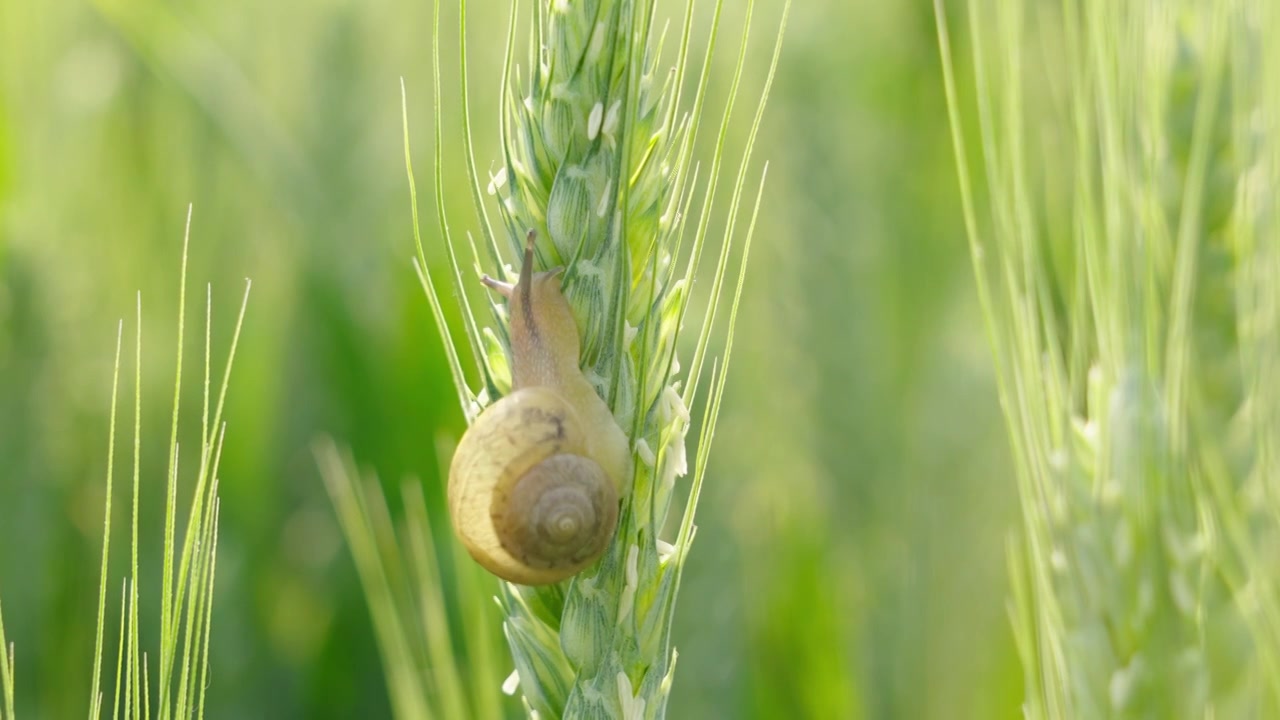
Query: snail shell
{"x": 533, "y": 507}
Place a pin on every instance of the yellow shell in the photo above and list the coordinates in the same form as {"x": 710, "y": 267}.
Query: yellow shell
{"x": 528, "y": 501}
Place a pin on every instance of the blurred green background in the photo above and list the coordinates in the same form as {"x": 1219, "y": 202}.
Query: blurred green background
{"x": 850, "y": 557}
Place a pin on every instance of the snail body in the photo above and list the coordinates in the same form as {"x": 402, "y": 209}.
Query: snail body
{"x": 535, "y": 482}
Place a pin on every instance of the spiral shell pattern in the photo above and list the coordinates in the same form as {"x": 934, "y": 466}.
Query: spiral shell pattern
{"x": 559, "y": 515}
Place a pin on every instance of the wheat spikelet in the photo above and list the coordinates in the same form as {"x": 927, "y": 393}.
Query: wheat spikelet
{"x": 1121, "y": 266}
{"x": 596, "y": 160}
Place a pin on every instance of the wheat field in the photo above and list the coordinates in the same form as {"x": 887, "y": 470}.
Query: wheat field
{"x": 997, "y": 437}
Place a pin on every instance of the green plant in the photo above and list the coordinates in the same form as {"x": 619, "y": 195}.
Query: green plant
{"x": 597, "y": 162}
{"x": 402, "y": 573}
{"x": 1125, "y": 246}
{"x": 6, "y": 673}
{"x": 186, "y": 592}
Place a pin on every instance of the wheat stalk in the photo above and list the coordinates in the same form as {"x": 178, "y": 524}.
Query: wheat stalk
{"x": 186, "y": 592}
{"x": 1126, "y": 264}
{"x": 597, "y": 159}
{"x": 410, "y": 599}
{"x": 6, "y": 673}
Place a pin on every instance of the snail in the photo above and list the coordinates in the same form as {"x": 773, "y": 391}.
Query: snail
{"x": 535, "y": 481}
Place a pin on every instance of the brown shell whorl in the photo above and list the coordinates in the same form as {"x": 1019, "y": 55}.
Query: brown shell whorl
{"x": 559, "y": 515}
